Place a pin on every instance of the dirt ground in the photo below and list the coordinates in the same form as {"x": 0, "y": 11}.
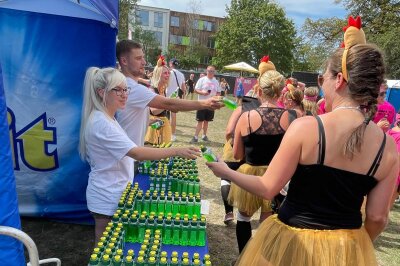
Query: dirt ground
{"x": 73, "y": 243}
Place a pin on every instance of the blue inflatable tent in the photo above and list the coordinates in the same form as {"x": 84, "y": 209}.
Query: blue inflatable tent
{"x": 45, "y": 48}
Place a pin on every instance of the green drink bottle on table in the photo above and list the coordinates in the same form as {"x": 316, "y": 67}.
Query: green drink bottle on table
{"x": 193, "y": 232}
{"x": 201, "y": 237}
{"x": 167, "y": 237}
{"x": 163, "y": 262}
{"x": 139, "y": 262}
{"x": 176, "y": 231}
{"x": 117, "y": 261}
{"x": 105, "y": 260}
{"x": 184, "y": 241}
{"x": 208, "y": 154}
{"x": 157, "y": 124}
{"x": 94, "y": 260}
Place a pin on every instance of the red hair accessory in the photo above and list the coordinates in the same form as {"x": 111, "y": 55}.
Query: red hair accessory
{"x": 161, "y": 61}
{"x": 265, "y": 59}
{"x": 265, "y": 65}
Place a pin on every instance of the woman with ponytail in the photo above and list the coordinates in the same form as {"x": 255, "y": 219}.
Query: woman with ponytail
{"x": 310, "y": 101}
{"x": 333, "y": 161}
{"x": 107, "y": 148}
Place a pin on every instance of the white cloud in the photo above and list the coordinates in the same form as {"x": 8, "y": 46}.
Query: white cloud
{"x": 297, "y": 10}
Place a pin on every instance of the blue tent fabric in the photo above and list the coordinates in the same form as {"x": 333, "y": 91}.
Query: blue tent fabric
{"x": 44, "y": 59}
{"x": 11, "y": 250}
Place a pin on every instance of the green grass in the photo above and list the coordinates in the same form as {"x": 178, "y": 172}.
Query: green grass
{"x": 222, "y": 239}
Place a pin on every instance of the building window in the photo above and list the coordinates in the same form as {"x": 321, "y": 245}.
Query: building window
{"x": 157, "y": 36}
{"x": 206, "y": 60}
{"x": 211, "y": 43}
{"x": 158, "y": 19}
{"x": 174, "y": 21}
{"x": 143, "y": 17}
{"x": 180, "y": 40}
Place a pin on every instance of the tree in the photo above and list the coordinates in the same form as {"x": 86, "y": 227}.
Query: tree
{"x": 255, "y": 28}
{"x": 151, "y": 46}
{"x": 124, "y": 8}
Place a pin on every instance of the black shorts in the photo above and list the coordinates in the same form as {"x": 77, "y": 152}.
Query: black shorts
{"x": 204, "y": 115}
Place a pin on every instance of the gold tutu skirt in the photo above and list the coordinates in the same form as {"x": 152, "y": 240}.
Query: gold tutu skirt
{"x": 245, "y": 201}
{"x": 227, "y": 155}
{"x": 277, "y": 244}
{"x": 161, "y": 135}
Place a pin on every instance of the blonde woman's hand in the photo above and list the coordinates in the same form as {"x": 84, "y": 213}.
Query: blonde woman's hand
{"x": 188, "y": 152}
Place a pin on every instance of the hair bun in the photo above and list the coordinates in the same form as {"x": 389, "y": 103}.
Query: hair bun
{"x": 265, "y": 65}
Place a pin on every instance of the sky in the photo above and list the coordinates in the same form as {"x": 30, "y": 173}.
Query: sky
{"x": 297, "y": 10}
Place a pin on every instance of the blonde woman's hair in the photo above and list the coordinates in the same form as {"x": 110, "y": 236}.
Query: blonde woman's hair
{"x": 95, "y": 79}
{"x": 310, "y": 100}
{"x": 156, "y": 78}
{"x": 271, "y": 84}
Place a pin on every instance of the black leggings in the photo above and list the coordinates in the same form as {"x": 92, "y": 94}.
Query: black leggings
{"x": 226, "y": 188}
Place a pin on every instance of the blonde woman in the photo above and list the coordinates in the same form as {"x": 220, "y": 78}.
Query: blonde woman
{"x": 310, "y": 100}
{"x": 159, "y": 83}
{"x": 292, "y": 100}
{"x": 106, "y": 147}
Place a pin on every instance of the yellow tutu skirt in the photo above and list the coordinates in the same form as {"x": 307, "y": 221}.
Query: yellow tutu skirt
{"x": 227, "y": 155}
{"x": 161, "y": 135}
{"x": 277, "y": 244}
{"x": 245, "y": 201}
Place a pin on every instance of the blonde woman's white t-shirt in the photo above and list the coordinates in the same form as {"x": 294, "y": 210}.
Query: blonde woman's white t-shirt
{"x": 107, "y": 145}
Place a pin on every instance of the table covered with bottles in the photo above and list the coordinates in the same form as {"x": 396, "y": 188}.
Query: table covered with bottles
{"x": 158, "y": 220}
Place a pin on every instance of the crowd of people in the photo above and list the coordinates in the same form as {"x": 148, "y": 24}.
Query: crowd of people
{"x": 309, "y": 157}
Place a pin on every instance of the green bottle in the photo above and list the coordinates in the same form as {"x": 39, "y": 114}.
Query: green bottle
{"x": 201, "y": 237}
{"x": 179, "y": 184}
{"x": 206, "y": 258}
{"x": 150, "y": 224}
{"x": 101, "y": 247}
{"x": 152, "y": 261}
{"x": 229, "y": 103}
{"x": 94, "y": 260}
{"x": 117, "y": 261}
{"x": 174, "y": 262}
{"x": 167, "y": 236}
{"x": 141, "y": 228}
{"x": 140, "y": 261}
{"x": 185, "y": 182}
{"x": 207, "y": 263}
{"x": 176, "y": 231}
{"x": 160, "y": 223}
{"x": 190, "y": 206}
{"x": 174, "y": 180}
{"x": 108, "y": 252}
{"x": 175, "y": 204}
{"x": 183, "y": 204}
{"x": 185, "y": 262}
{"x": 133, "y": 229}
{"x": 128, "y": 261}
{"x": 157, "y": 124}
{"x": 105, "y": 260}
{"x": 193, "y": 232}
{"x": 196, "y": 256}
{"x": 161, "y": 203}
{"x": 138, "y": 203}
{"x": 146, "y": 203}
{"x": 208, "y": 154}
{"x": 174, "y": 94}
{"x": 185, "y": 233}
{"x": 196, "y": 262}
{"x": 154, "y": 203}
{"x": 191, "y": 182}
{"x": 196, "y": 187}
{"x": 125, "y": 222}
{"x": 163, "y": 262}
{"x": 197, "y": 206}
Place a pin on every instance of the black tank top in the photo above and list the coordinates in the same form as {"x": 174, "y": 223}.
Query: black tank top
{"x": 323, "y": 197}
{"x": 163, "y": 113}
{"x": 261, "y": 145}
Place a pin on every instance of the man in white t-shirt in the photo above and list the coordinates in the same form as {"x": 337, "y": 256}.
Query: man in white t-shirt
{"x": 134, "y": 118}
{"x": 176, "y": 84}
{"x": 206, "y": 87}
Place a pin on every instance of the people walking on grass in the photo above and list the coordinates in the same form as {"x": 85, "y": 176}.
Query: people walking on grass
{"x": 333, "y": 161}
{"x": 107, "y": 148}
{"x": 239, "y": 91}
{"x": 206, "y": 88}
{"x": 190, "y": 86}
{"x": 224, "y": 87}
{"x": 385, "y": 113}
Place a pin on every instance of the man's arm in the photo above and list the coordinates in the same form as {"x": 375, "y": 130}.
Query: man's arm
{"x": 176, "y": 105}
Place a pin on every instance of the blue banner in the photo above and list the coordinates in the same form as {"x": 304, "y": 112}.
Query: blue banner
{"x": 44, "y": 59}
{"x": 12, "y": 252}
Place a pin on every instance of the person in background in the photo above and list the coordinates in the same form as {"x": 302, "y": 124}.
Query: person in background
{"x": 224, "y": 87}
{"x": 384, "y": 117}
{"x": 395, "y": 134}
{"x": 258, "y": 134}
{"x": 190, "y": 85}
{"x": 206, "y": 87}
{"x": 332, "y": 165}
{"x": 159, "y": 83}
{"x": 310, "y": 101}
{"x": 135, "y": 117}
{"x": 240, "y": 91}
{"x": 106, "y": 146}
{"x": 292, "y": 100}
{"x": 176, "y": 84}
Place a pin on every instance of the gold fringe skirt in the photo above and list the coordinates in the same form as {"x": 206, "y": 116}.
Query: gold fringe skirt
{"x": 227, "y": 155}
{"x": 245, "y": 201}
{"x": 161, "y": 135}
{"x": 277, "y": 244}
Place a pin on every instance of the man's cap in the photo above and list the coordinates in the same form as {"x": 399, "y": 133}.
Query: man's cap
{"x": 174, "y": 61}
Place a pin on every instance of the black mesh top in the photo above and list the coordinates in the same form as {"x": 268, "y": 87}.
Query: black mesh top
{"x": 163, "y": 113}
{"x": 323, "y": 197}
{"x": 261, "y": 145}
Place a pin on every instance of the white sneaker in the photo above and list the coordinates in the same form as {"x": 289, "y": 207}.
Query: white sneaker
{"x": 173, "y": 138}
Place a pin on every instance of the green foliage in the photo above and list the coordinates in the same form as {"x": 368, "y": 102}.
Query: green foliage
{"x": 149, "y": 42}
{"x": 190, "y": 58}
{"x": 255, "y": 28}
{"x": 124, "y": 7}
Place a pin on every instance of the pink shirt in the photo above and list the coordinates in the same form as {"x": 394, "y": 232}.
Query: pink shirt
{"x": 385, "y": 109}
{"x": 396, "y": 136}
